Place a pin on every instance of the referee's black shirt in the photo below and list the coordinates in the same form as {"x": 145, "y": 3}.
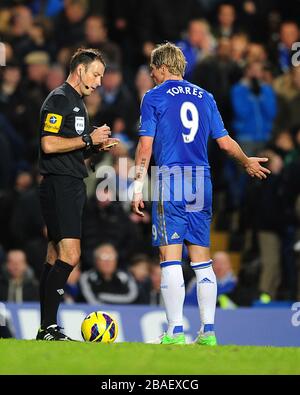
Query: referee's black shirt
{"x": 63, "y": 114}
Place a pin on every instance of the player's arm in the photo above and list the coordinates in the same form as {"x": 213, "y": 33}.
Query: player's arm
{"x": 251, "y": 164}
{"x": 144, "y": 149}
{"x": 231, "y": 147}
{"x": 142, "y": 160}
{"x": 142, "y": 157}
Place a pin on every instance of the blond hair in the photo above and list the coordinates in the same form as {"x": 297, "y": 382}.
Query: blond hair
{"x": 171, "y": 56}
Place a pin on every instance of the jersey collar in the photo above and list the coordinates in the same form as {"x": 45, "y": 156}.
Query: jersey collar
{"x": 72, "y": 90}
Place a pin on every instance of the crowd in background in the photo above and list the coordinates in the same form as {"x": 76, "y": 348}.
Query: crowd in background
{"x": 241, "y": 52}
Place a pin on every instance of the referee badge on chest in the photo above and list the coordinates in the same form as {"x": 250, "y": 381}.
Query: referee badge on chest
{"x": 79, "y": 125}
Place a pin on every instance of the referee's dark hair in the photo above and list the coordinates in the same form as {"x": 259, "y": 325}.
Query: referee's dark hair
{"x": 85, "y": 56}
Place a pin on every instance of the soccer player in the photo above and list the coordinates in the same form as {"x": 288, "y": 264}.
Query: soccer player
{"x": 177, "y": 119}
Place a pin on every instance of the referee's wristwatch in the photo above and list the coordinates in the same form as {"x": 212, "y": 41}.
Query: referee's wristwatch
{"x": 88, "y": 140}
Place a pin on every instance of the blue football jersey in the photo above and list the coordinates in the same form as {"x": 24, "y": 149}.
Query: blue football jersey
{"x": 180, "y": 116}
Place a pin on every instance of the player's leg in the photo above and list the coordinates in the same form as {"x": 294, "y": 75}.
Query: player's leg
{"x": 198, "y": 240}
{"x": 173, "y": 292}
{"x": 206, "y": 291}
{"x": 167, "y": 234}
{"x": 52, "y": 255}
{"x": 168, "y": 231}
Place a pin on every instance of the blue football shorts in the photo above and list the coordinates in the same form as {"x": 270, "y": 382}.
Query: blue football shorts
{"x": 182, "y": 216}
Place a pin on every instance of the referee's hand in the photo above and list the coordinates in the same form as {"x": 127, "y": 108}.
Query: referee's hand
{"x": 100, "y": 134}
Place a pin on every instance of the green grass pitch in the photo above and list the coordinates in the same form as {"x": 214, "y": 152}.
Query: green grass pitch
{"x": 37, "y": 357}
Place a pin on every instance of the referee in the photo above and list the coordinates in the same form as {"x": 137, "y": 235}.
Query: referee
{"x": 65, "y": 141}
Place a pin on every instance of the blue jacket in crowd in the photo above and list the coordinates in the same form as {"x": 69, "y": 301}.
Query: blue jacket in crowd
{"x": 253, "y": 114}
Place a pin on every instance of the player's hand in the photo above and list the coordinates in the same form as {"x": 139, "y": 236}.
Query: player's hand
{"x": 137, "y": 204}
{"x": 254, "y": 168}
{"x": 108, "y": 144}
{"x": 100, "y": 134}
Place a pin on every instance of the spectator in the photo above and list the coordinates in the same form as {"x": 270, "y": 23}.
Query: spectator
{"x": 117, "y": 100}
{"x": 94, "y": 108}
{"x": 95, "y": 33}
{"x": 26, "y": 223}
{"x": 143, "y": 82}
{"x": 40, "y": 38}
{"x": 105, "y": 221}
{"x": 217, "y": 74}
{"x": 6, "y": 160}
{"x": 21, "y": 24}
{"x": 140, "y": 269}
{"x": 288, "y": 90}
{"x": 105, "y": 283}
{"x": 48, "y": 8}
{"x": 164, "y": 20}
{"x": 283, "y": 145}
{"x": 270, "y": 223}
{"x": 281, "y": 53}
{"x": 13, "y": 103}
{"x": 226, "y": 280}
{"x": 198, "y": 44}
{"x": 254, "y": 107}
{"x": 256, "y": 53}
{"x": 257, "y": 18}
{"x": 239, "y": 45}
{"x": 55, "y": 77}
{"x": 37, "y": 64}
{"x": 69, "y": 27}
{"x": 119, "y": 131}
{"x": 124, "y": 25}
{"x": 8, "y": 201}
{"x": 155, "y": 277}
{"x": 17, "y": 282}
{"x": 226, "y": 23}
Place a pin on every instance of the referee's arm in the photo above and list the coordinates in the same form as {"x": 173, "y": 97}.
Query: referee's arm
{"x": 56, "y": 144}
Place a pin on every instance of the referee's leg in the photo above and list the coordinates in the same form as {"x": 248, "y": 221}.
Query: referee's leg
{"x": 68, "y": 256}
{"x": 69, "y": 251}
{"x": 52, "y": 255}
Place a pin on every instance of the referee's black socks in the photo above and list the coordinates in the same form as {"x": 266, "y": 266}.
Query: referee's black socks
{"x": 46, "y": 269}
{"x": 54, "y": 290}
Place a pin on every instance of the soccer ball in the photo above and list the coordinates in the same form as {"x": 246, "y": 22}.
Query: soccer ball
{"x": 99, "y": 326}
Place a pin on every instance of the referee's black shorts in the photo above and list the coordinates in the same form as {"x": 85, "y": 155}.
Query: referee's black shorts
{"x": 62, "y": 201}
